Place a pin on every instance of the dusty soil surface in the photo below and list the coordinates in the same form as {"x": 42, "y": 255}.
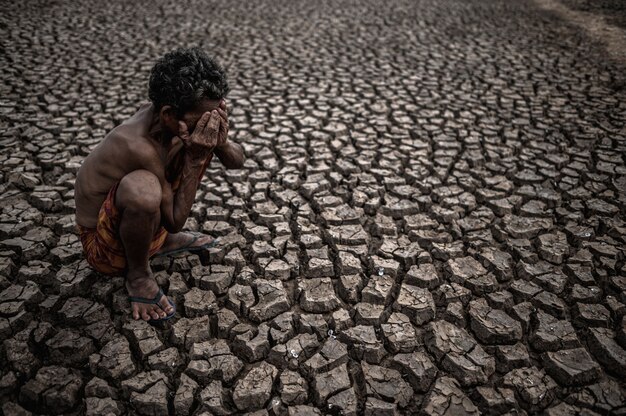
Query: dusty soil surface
{"x": 431, "y": 217}
{"x": 614, "y": 11}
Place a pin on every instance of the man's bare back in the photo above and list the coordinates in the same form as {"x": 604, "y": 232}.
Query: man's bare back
{"x": 117, "y": 155}
{"x": 127, "y": 206}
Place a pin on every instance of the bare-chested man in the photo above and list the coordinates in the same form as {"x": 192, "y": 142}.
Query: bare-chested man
{"x": 135, "y": 190}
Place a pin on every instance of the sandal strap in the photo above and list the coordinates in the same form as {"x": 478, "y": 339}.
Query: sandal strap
{"x": 181, "y": 249}
{"x": 153, "y": 301}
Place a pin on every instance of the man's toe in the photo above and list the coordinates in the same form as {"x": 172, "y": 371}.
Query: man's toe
{"x": 135, "y": 312}
{"x": 145, "y": 316}
{"x": 154, "y": 314}
{"x": 165, "y": 305}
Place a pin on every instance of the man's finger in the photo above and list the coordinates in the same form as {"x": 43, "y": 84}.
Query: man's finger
{"x": 222, "y": 113}
{"x": 185, "y": 139}
{"x": 182, "y": 129}
{"x": 203, "y": 121}
{"x": 223, "y": 105}
{"x": 224, "y": 118}
{"x": 177, "y": 139}
{"x": 223, "y": 129}
{"x": 213, "y": 124}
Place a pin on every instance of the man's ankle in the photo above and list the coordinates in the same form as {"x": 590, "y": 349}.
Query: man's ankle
{"x": 140, "y": 278}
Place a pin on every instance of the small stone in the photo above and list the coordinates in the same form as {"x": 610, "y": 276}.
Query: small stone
{"x": 586, "y": 315}
{"x": 143, "y": 337}
{"x": 318, "y": 295}
{"x": 462, "y": 269}
{"x": 188, "y": 331}
{"x": 302, "y": 410}
{"x": 167, "y": 361}
{"x": 98, "y": 387}
{"x": 213, "y": 399}
{"x": 69, "y": 347}
{"x": 526, "y": 227}
{"x": 293, "y": 388}
{"x": 332, "y": 355}
{"x": 252, "y": 343}
{"x": 54, "y": 389}
{"x": 377, "y": 407}
{"x": 535, "y": 389}
{"x": 603, "y": 397}
{"x": 329, "y": 383}
{"x": 496, "y": 399}
{"x": 345, "y": 402}
{"x": 183, "y": 400}
{"x": 448, "y": 293}
{"x": 551, "y": 334}
{"x": 553, "y": 247}
{"x": 363, "y": 343}
{"x": 386, "y": 384}
{"x": 216, "y": 278}
{"x": 341, "y": 320}
{"x": 424, "y": 276}
{"x": 509, "y": 357}
{"x": 369, "y": 314}
{"x": 399, "y": 334}
{"x": 199, "y": 302}
{"x": 349, "y": 287}
{"x": 418, "y": 368}
{"x": 272, "y": 300}
{"x": 348, "y": 264}
{"x": 458, "y": 353}
{"x": 602, "y": 345}
{"x": 114, "y": 360}
{"x": 226, "y": 320}
{"x": 447, "y": 399}
{"x": 417, "y": 303}
{"x": 378, "y": 290}
{"x": 253, "y": 390}
{"x": 213, "y": 359}
{"x": 493, "y": 326}
{"x": 95, "y": 406}
{"x": 500, "y": 262}
{"x": 141, "y": 382}
{"x": 313, "y": 323}
{"x": 455, "y": 313}
{"x": 573, "y": 367}
{"x": 550, "y": 303}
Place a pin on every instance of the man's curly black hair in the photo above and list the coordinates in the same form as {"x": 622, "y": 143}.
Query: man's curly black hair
{"x": 184, "y": 76}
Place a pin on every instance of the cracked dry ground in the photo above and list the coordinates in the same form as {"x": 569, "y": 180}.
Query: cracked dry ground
{"x": 431, "y": 217}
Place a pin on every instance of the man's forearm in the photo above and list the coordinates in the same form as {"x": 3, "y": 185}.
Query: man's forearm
{"x": 231, "y": 155}
{"x": 186, "y": 193}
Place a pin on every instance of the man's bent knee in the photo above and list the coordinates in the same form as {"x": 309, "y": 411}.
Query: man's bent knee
{"x": 139, "y": 191}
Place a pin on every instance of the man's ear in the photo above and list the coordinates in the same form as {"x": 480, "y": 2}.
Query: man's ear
{"x": 167, "y": 115}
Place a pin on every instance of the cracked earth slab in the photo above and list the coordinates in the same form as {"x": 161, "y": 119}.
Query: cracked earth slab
{"x": 430, "y": 218}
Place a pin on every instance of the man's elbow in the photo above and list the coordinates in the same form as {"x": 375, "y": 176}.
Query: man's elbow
{"x": 239, "y": 163}
{"x": 235, "y": 163}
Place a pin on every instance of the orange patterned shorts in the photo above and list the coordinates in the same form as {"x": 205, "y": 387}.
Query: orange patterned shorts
{"x": 102, "y": 245}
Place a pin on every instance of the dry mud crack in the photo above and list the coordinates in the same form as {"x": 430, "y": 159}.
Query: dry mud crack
{"x": 431, "y": 218}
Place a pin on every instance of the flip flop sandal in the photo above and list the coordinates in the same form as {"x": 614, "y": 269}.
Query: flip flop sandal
{"x": 155, "y": 301}
{"x": 189, "y": 246}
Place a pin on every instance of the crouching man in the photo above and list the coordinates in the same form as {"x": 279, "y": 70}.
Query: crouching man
{"x": 135, "y": 190}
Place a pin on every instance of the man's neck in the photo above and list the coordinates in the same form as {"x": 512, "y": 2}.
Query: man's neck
{"x": 162, "y": 139}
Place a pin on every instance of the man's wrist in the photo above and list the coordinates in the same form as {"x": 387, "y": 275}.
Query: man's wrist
{"x": 195, "y": 163}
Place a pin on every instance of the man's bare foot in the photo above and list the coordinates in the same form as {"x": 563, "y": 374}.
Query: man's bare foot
{"x": 143, "y": 285}
{"x": 185, "y": 240}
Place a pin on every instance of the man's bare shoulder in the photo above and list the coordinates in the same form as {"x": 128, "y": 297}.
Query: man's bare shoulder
{"x": 133, "y": 143}
{"x": 130, "y": 146}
